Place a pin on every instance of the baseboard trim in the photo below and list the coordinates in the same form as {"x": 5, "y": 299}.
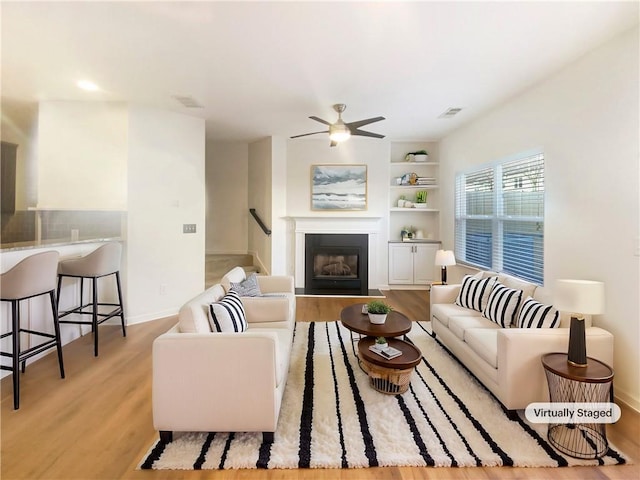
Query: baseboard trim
{"x": 149, "y": 317}
{"x": 628, "y": 400}
{"x": 227, "y": 252}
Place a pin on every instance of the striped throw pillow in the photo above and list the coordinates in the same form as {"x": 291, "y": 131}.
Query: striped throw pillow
{"x": 502, "y": 305}
{"x": 473, "y": 293}
{"x": 534, "y": 314}
{"x": 227, "y": 314}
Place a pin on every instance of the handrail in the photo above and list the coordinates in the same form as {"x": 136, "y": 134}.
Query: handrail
{"x": 260, "y": 222}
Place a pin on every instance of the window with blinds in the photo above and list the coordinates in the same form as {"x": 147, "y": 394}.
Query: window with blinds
{"x": 499, "y": 217}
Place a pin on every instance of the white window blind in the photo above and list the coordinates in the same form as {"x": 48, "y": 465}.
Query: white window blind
{"x": 499, "y": 222}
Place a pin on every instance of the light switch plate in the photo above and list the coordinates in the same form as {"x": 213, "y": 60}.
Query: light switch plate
{"x": 188, "y": 228}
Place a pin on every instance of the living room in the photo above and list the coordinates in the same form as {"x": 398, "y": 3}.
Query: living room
{"x": 583, "y": 114}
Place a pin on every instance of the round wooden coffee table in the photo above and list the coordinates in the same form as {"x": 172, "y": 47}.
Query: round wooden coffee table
{"x": 356, "y": 321}
{"x": 390, "y": 376}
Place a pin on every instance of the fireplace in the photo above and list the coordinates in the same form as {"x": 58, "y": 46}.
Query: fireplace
{"x": 336, "y": 263}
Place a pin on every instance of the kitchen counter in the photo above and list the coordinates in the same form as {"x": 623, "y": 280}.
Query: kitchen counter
{"x": 17, "y": 246}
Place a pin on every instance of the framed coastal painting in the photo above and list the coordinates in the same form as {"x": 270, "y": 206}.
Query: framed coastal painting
{"x": 338, "y": 187}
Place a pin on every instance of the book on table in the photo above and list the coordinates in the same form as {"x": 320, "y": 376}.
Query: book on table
{"x": 386, "y": 352}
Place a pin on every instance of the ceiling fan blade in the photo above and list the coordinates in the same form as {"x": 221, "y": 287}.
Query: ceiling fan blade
{"x": 333, "y": 144}
{"x": 362, "y": 123}
{"x": 320, "y": 120}
{"x": 307, "y": 134}
{"x": 363, "y": 133}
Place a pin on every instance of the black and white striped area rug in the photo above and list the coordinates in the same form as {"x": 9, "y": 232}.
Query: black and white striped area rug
{"x": 332, "y": 418}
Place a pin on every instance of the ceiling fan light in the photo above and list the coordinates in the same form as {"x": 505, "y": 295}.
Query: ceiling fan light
{"x": 339, "y": 133}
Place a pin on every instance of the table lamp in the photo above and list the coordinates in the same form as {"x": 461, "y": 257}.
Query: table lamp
{"x": 445, "y": 258}
{"x": 579, "y": 297}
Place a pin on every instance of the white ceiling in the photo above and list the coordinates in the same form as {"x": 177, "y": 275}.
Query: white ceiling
{"x": 262, "y": 68}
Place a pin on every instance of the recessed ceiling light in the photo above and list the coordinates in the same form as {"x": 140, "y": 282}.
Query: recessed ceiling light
{"x": 188, "y": 101}
{"x": 450, "y": 112}
{"x": 87, "y": 85}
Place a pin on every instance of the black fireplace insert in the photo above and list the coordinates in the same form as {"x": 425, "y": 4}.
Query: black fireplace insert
{"x": 336, "y": 263}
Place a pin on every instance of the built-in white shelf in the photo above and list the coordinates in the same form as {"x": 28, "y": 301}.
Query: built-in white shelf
{"x": 413, "y": 210}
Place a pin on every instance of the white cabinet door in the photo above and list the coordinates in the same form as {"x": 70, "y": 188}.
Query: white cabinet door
{"x": 400, "y": 264}
{"x": 412, "y": 264}
{"x": 424, "y": 259}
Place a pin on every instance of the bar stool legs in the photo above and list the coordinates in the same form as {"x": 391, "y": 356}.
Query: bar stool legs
{"x": 102, "y": 262}
{"x": 19, "y": 356}
{"x": 97, "y": 317}
{"x": 31, "y": 277}
{"x": 56, "y": 328}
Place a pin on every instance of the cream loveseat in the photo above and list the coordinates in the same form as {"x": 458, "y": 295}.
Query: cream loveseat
{"x": 225, "y": 382}
{"x": 507, "y": 360}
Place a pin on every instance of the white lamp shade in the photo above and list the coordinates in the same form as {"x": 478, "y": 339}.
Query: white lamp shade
{"x": 579, "y": 296}
{"x": 445, "y": 258}
{"x": 339, "y": 132}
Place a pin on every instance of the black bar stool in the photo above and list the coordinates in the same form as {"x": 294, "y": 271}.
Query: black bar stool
{"x": 31, "y": 277}
{"x": 102, "y": 262}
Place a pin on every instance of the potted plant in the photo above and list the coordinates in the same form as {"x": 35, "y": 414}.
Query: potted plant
{"x": 421, "y": 199}
{"x": 381, "y": 343}
{"x": 419, "y": 156}
{"x": 378, "y": 311}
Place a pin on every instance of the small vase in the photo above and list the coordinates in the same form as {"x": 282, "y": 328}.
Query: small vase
{"x": 377, "y": 318}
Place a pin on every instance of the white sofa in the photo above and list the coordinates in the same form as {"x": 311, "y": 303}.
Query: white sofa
{"x": 225, "y": 382}
{"x": 507, "y": 360}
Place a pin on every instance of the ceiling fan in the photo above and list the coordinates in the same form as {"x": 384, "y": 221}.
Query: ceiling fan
{"x": 340, "y": 131}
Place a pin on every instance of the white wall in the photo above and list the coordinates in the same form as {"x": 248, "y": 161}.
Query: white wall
{"x": 166, "y": 188}
{"x": 280, "y": 241}
{"x": 585, "y": 118}
{"x": 302, "y": 154}
{"x": 260, "y": 194}
{"x": 227, "y": 212}
{"x": 82, "y": 155}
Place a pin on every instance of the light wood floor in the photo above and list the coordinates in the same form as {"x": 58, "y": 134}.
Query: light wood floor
{"x": 96, "y": 423}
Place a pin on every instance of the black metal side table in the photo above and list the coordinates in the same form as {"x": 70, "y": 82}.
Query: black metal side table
{"x": 570, "y": 384}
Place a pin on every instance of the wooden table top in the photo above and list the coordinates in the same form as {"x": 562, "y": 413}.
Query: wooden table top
{"x": 595, "y": 371}
{"x": 410, "y": 357}
{"x": 356, "y": 321}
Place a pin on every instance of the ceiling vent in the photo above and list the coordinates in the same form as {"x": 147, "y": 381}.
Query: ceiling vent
{"x": 450, "y": 112}
{"x": 187, "y": 101}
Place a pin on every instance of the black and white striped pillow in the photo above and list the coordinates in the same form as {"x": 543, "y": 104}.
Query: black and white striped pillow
{"x": 534, "y": 314}
{"x": 474, "y": 291}
{"x": 502, "y": 305}
{"x": 227, "y": 314}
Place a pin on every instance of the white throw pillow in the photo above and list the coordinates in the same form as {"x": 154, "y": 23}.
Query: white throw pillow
{"x": 227, "y": 314}
{"x": 248, "y": 287}
{"x": 474, "y": 292}
{"x": 502, "y": 305}
{"x": 534, "y": 314}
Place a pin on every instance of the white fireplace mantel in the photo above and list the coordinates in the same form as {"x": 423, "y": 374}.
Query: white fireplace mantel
{"x": 334, "y": 224}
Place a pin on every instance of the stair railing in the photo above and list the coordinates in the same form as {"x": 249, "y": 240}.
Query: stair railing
{"x": 260, "y": 222}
